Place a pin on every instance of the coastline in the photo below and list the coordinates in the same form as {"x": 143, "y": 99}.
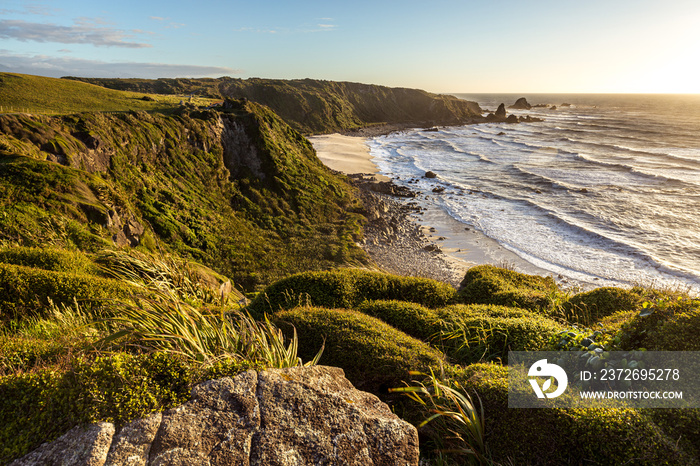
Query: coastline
{"x": 404, "y": 235}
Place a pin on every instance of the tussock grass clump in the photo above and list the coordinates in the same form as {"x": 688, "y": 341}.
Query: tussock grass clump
{"x": 374, "y": 355}
{"x": 347, "y": 288}
{"x": 487, "y": 284}
{"x": 168, "y": 325}
{"x": 167, "y": 273}
{"x": 456, "y": 425}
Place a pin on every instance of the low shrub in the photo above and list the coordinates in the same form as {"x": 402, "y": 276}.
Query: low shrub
{"x": 591, "y": 306}
{"x": 415, "y": 320}
{"x": 667, "y": 324}
{"x": 25, "y": 290}
{"x": 115, "y": 388}
{"x": 469, "y": 337}
{"x": 487, "y": 284}
{"x": 468, "y": 333}
{"x": 374, "y": 355}
{"x": 566, "y": 436}
{"x": 347, "y": 288}
{"x": 58, "y": 260}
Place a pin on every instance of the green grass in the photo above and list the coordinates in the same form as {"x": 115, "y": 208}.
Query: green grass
{"x": 20, "y": 93}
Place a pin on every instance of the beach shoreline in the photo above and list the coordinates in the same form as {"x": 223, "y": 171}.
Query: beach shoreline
{"x": 403, "y": 234}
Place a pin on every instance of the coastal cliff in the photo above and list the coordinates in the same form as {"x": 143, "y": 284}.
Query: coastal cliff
{"x": 237, "y": 189}
{"x": 143, "y": 254}
{"x": 314, "y": 106}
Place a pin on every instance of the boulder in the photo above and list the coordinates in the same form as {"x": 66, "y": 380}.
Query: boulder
{"x": 521, "y": 104}
{"x": 294, "y": 416}
{"x": 512, "y": 119}
{"x": 430, "y": 174}
{"x": 501, "y": 111}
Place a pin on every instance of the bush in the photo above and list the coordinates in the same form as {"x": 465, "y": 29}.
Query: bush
{"x": 666, "y": 325}
{"x": 58, "y": 260}
{"x": 566, "y": 436}
{"x": 347, "y": 288}
{"x": 470, "y": 335}
{"x": 374, "y": 355}
{"x": 415, "y": 320}
{"x": 486, "y": 284}
{"x": 117, "y": 388}
{"x": 591, "y": 306}
{"x": 25, "y": 290}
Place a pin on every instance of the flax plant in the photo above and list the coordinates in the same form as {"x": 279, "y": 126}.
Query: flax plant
{"x": 160, "y": 272}
{"x": 458, "y": 425}
{"x": 165, "y": 324}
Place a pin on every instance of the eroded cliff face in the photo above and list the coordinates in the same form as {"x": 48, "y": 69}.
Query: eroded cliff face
{"x": 233, "y": 189}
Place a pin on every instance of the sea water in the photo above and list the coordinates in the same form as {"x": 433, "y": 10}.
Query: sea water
{"x": 605, "y": 190}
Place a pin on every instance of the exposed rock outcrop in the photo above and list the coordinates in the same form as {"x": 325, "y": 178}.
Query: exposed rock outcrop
{"x": 501, "y": 111}
{"x": 297, "y": 416}
{"x": 521, "y": 104}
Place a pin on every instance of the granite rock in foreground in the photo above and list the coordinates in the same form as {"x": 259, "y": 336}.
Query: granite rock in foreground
{"x": 296, "y": 416}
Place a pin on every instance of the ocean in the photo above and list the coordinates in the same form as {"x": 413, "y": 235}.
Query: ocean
{"x": 604, "y": 191}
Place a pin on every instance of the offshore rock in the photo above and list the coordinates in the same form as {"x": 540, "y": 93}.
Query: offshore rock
{"x": 295, "y": 416}
{"x": 501, "y": 111}
{"x": 521, "y": 104}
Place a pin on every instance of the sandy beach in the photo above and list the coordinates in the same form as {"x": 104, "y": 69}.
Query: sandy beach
{"x": 346, "y": 154}
{"x": 406, "y": 236}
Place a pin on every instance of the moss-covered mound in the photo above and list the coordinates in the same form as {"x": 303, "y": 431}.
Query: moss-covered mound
{"x": 348, "y": 288}
{"x": 374, "y": 355}
{"x": 487, "y": 284}
{"x": 591, "y": 306}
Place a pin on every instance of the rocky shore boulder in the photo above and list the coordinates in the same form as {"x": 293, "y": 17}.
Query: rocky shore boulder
{"x": 521, "y": 104}
{"x": 295, "y": 416}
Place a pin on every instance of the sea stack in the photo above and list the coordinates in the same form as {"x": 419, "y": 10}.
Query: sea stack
{"x": 521, "y": 104}
{"x": 501, "y": 112}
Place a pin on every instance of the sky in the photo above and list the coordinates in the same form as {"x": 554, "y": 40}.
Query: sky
{"x": 450, "y": 46}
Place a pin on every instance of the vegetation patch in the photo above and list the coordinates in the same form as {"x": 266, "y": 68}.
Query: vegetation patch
{"x": 591, "y": 306}
{"x": 348, "y": 288}
{"x": 374, "y": 355}
{"x": 487, "y": 284}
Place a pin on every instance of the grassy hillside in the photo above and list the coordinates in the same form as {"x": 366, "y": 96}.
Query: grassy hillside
{"x": 239, "y": 191}
{"x": 313, "y": 106}
{"x": 120, "y": 235}
{"x": 21, "y": 93}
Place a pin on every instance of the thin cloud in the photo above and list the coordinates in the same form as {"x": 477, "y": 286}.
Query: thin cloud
{"x": 83, "y": 31}
{"x": 57, "y": 67}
